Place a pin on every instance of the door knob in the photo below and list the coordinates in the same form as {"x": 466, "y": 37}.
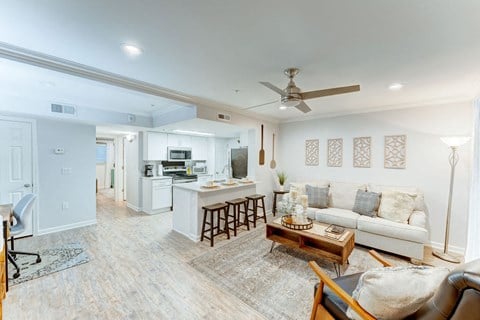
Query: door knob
{"x": 27, "y": 185}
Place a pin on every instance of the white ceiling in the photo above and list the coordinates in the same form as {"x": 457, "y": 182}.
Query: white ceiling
{"x": 209, "y": 49}
{"x": 20, "y": 80}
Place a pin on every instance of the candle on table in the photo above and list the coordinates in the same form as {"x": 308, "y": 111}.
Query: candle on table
{"x": 293, "y": 194}
{"x": 304, "y": 200}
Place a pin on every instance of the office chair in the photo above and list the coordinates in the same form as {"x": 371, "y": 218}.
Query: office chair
{"x": 22, "y": 213}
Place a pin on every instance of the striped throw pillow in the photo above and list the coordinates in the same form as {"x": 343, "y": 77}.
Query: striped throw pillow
{"x": 317, "y": 197}
{"x": 366, "y": 203}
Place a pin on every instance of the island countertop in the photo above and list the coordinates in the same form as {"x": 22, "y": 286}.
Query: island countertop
{"x": 190, "y": 198}
{"x": 199, "y": 187}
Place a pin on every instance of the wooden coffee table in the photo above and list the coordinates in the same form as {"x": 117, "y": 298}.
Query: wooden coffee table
{"x": 313, "y": 241}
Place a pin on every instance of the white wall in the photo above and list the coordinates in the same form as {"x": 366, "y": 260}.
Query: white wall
{"x": 261, "y": 173}
{"x": 427, "y": 157}
{"x": 133, "y": 162}
{"x": 77, "y": 188}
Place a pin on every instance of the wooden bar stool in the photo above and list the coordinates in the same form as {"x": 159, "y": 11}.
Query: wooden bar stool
{"x": 253, "y": 200}
{"x": 215, "y": 211}
{"x": 236, "y": 205}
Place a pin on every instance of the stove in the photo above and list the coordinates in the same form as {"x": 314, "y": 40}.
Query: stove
{"x": 178, "y": 172}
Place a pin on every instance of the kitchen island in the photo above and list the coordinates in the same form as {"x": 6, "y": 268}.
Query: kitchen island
{"x": 189, "y": 198}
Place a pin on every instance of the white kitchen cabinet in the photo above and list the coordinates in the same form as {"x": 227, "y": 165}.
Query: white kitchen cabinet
{"x": 157, "y": 194}
{"x": 199, "y": 148}
{"x": 179, "y": 140}
{"x": 155, "y": 146}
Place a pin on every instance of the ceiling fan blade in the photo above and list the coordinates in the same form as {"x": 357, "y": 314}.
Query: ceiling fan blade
{"x": 272, "y": 87}
{"x": 303, "y": 107}
{"x": 329, "y": 92}
{"x": 260, "y": 105}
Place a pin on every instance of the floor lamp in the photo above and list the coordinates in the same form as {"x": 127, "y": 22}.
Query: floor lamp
{"x": 453, "y": 143}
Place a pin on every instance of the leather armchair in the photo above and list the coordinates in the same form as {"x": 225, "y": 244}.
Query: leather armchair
{"x": 457, "y": 298}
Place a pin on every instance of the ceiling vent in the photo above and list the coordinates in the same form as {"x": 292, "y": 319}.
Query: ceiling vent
{"x": 224, "y": 117}
{"x": 60, "y": 108}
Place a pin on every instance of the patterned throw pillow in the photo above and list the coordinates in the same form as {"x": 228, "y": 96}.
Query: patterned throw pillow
{"x": 366, "y": 203}
{"x": 317, "y": 197}
{"x": 396, "y": 292}
{"x": 396, "y": 206}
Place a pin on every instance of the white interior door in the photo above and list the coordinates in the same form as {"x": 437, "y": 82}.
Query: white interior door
{"x": 16, "y": 163}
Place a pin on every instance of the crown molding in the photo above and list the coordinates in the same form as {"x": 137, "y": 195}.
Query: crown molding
{"x": 46, "y": 61}
{"x": 381, "y": 108}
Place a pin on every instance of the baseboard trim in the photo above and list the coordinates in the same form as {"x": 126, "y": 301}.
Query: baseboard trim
{"x": 189, "y": 236}
{"x": 134, "y": 208}
{"x": 67, "y": 227}
{"x": 454, "y": 249}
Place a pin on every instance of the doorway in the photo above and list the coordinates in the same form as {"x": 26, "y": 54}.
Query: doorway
{"x": 110, "y": 167}
{"x": 16, "y": 163}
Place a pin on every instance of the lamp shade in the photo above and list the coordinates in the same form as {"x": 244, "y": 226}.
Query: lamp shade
{"x": 455, "y": 141}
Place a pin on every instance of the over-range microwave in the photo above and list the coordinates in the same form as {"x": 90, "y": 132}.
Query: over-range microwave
{"x": 179, "y": 154}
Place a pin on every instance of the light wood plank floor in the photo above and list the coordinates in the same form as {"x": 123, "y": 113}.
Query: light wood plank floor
{"x": 138, "y": 270}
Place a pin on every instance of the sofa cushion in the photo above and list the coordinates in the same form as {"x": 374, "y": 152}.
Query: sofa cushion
{"x": 300, "y": 186}
{"x": 366, "y": 203}
{"x": 311, "y": 212}
{"x": 341, "y": 217}
{"x": 396, "y": 206}
{"x": 396, "y": 292}
{"x": 392, "y": 229}
{"x": 419, "y": 199}
{"x": 418, "y": 218}
{"x": 342, "y": 194}
{"x": 317, "y": 196}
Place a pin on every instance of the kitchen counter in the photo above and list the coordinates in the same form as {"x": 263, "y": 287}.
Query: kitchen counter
{"x": 199, "y": 187}
{"x": 189, "y": 198}
{"x": 156, "y": 177}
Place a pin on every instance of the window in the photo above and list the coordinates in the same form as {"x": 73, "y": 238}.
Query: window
{"x": 101, "y": 153}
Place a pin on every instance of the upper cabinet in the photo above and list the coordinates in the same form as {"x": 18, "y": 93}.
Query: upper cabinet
{"x": 199, "y": 148}
{"x": 179, "y": 140}
{"x": 155, "y": 146}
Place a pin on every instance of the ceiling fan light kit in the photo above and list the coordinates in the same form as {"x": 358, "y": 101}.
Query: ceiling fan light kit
{"x": 292, "y": 96}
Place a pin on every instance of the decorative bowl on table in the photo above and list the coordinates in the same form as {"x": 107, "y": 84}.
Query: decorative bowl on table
{"x": 295, "y": 223}
{"x": 229, "y": 182}
{"x": 210, "y": 186}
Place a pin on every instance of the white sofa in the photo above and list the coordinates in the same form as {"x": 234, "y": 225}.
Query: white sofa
{"x": 400, "y": 238}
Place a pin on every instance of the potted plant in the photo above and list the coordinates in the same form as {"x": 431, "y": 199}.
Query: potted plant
{"x": 282, "y": 177}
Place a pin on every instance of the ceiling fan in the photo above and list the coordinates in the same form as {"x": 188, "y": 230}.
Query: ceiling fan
{"x": 292, "y": 96}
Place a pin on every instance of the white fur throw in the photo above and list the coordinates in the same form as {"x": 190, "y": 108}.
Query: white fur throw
{"x": 396, "y": 206}
{"x": 396, "y": 292}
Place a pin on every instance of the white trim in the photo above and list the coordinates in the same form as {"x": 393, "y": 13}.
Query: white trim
{"x": 363, "y": 110}
{"x": 35, "y": 178}
{"x": 35, "y": 58}
{"x": 454, "y": 249}
{"x": 68, "y": 227}
{"x": 134, "y": 208}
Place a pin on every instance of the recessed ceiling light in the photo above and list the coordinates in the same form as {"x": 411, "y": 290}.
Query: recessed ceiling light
{"x": 282, "y": 107}
{"x": 395, "y": 86}
{"x": 131, "y": 50}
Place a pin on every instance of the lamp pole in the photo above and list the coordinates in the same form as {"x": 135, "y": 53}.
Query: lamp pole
{"x": 453, "y": 160}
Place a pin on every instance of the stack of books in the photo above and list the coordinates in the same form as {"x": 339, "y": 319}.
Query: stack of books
{"x": 335, "y": 232}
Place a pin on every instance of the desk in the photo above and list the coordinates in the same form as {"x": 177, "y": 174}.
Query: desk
{"x": 275, "y": 193}
{"x": 7, "y": 214}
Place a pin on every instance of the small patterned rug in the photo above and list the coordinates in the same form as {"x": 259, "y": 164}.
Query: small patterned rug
{"x": 279, "y": 284}
{"x": 53, "y": 260}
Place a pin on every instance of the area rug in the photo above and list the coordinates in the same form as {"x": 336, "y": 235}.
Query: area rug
{"x": 53, "y": 260}
{"x": 279, "y": 284}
